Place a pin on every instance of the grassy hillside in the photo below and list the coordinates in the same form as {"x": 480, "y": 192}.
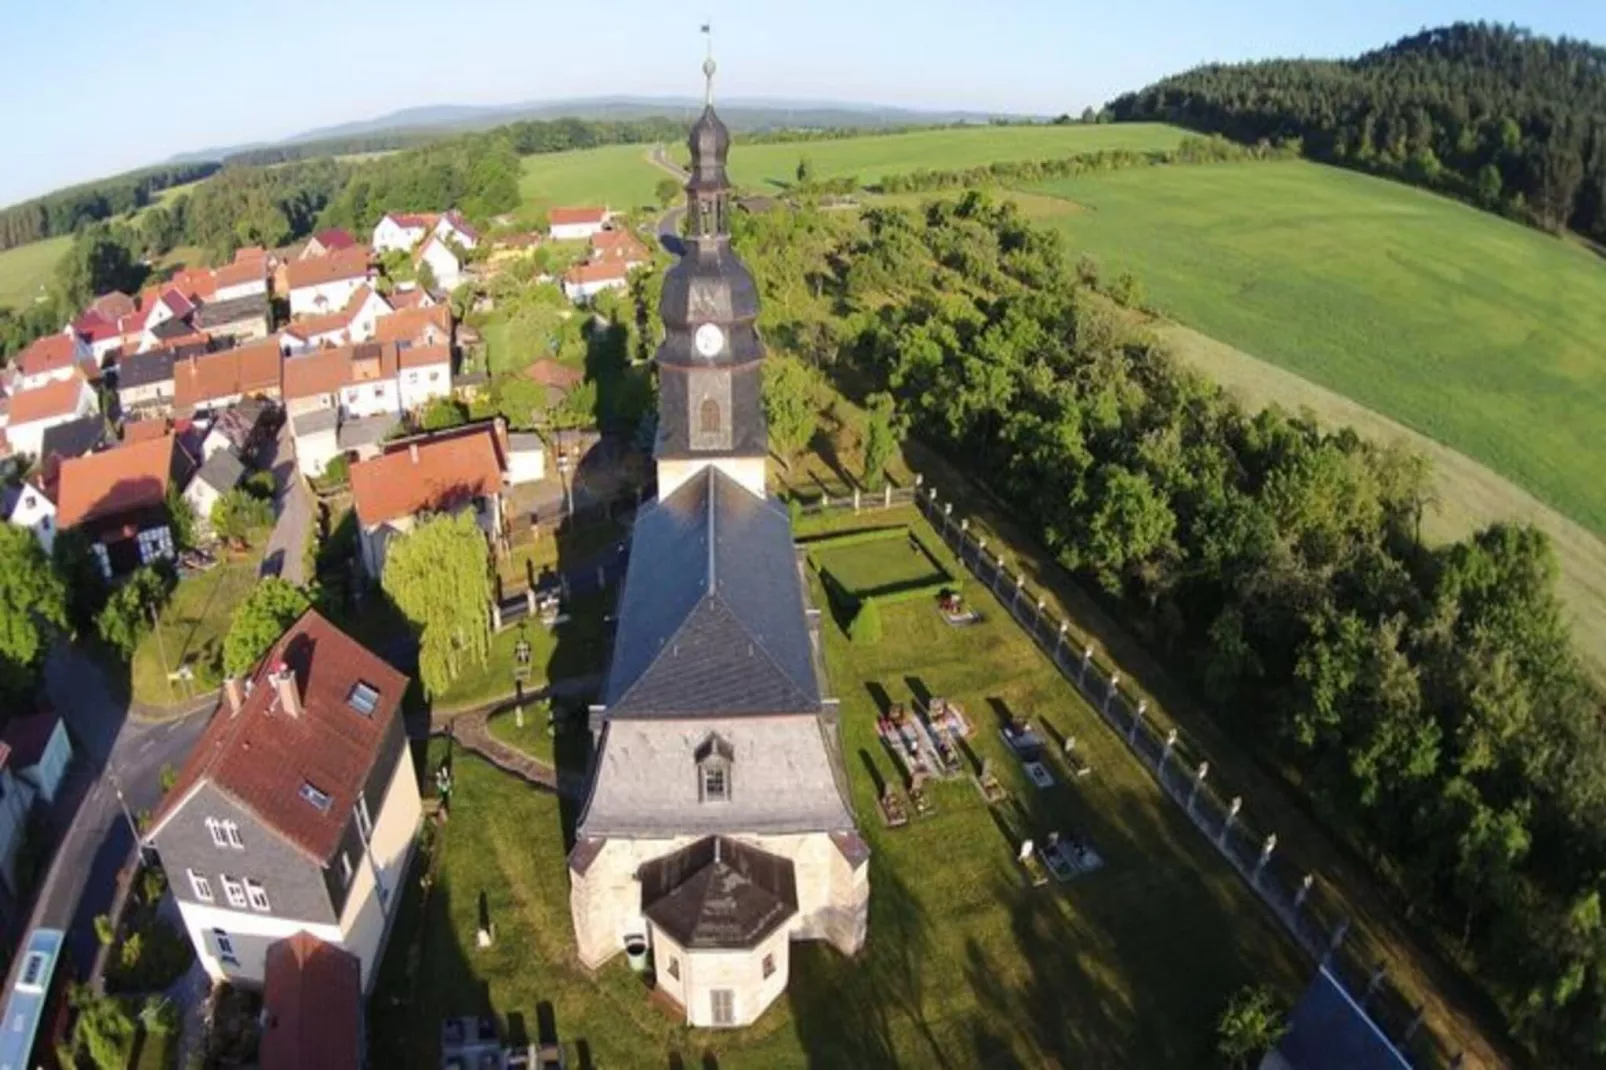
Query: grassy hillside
{"x": 617, "y": 176}
{"x": 26, "y": 268}
{"x": 1480, "y": 333}
{"x": 770, "y": 167}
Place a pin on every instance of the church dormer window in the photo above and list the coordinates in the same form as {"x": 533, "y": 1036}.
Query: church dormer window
{"x": 708, "y": 422}
{"x": 714, "y": 769}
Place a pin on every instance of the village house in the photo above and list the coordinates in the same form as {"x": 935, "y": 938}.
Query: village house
{"x": 526, "y": 458}
{"x": 246, "y": 427}
{"x": 147, "y": 326}
{"x": 104, "y": 337}
{"x": 454, "y": 228}
{"x": 575, "y": 224}
{"x": 296, "y": 810}
{"x": 58, "y": 401}
{"x": 74, "y": 438}
{"x": 145, "y": 383}
{"x": 400, "y": 231}
{"x": 28, "y": 506}
{"x": 118, "y": 498}
{"x": 556, "y": 378}
{"x": 49, "y": 359}
{"x": 582, "y": 282}
{"x": 424, "y": 373}
{"x": 620, "y": 245}
{"x": 326, "y": 242}
{"x": 245, "y": 277}
{"x": 218, "y": 474}
{"x": 171, "y": 334}
{"x": 324, "y": 284}
{"x": 312, "y": 1007}
{"x": 456, "y": 470}
{"x": 344, "y": 401}
{"x": 208, "y": 382}
{"x": 444, "y": 264}
{"x": 431, "y": 326}
{"x": 355, "y": 322}
{"x": 244, "y": 319}
{"x": 34, "y": 755}
{"x": 410, "y": 295}
{"x": 196, "y": 284}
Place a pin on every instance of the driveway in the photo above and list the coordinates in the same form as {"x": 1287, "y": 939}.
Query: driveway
{"x": 292, "y": 507}
{"x": 111, "y": 751}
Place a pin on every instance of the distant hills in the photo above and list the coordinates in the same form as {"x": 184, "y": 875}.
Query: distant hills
{"x": 749, "y": 113}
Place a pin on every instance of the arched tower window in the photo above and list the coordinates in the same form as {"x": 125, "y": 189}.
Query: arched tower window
{"x": 714, "y": 759}
{"x": 708, "y": 422}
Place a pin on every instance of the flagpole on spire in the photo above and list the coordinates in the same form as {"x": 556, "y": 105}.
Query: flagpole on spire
{"x": 708, "y": 66}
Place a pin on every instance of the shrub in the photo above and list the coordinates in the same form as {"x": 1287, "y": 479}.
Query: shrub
{"x": 127, "y": 613}
{"x": 866, "y": 626}
{"x": 260, "y": 485}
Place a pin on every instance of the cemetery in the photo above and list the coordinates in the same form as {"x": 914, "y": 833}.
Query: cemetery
{"x": 1080, "y": 922}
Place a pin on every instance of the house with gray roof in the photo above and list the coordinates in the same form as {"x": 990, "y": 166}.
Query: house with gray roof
{"x": 220, "y": 473}
{"x": 717, "y": 828}
{"x": 243, "y": 319}
{"x": 145, "y": 383}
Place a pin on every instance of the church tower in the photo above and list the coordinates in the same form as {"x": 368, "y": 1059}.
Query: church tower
{"x": 718, "y": 828}
{"x": 710, "y": 401}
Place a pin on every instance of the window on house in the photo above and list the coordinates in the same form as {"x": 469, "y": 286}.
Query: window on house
{"x": 715, "y": 786}
{"x": 200, "y": 886}
{"x": 231, "y": 834}
{"x": 319, "y": 800}
{"x": 363, "y": 698}
{"x": 215, "y": 827}
{"x": 258, "y": 897}
{"x": 379, "y": 391}
{"x": 225, "y": 947}
{"x": 769, "y": 966}
{"x": 234, "y": 892}
{"x": 674, "y": 968}
{"x": 714, "y": 756}
{"x": 365, "y": 824}
{"x": 708, "y": 417}
{"x": 434, "y": 377}
{"x": 155, "y": 544}
{"x": 722, "y": 1004}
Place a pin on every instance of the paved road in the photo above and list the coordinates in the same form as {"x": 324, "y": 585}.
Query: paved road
{"x": 112, "y": 750}
{"x": 293, "y": 506}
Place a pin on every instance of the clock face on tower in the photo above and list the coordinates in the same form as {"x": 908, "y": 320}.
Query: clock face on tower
{"x": 709, "y": 340}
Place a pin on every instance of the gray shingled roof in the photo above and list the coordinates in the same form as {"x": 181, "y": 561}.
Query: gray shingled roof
{"x": 718, "y": 894}
{"x": 712, "y": 620}
{"x": 221, "y": 313}
{"x": 222, "y": 471}
{"x": 1328, "y": 1030}
{"x": 143, "y": 369}
{"x": 75, "y": 437}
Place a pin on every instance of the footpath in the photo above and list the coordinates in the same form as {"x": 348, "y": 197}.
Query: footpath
{"x": 470, "y": 729}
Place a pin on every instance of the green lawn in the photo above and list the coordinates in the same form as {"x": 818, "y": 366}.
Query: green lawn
{"x": 615, "y": 176}
{"x": 193, "y": 625}
{"x": 25, "y": 270}
{"x": 886, "y": 564}
{"x": 965, "y": 965}
{"x": 770, "y": 167}
{"x": 577, "y": 647}
{"x": 1480, "y": 333}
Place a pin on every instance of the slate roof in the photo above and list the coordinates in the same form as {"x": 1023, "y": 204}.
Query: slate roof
{"x": 1328, "y": 1030}
{"x": 712, "y": 619}
{"x": 74, "y": 438}
{"x": 261, "y": 756}
{"x": 222, "y": 313}
{"x": 144, "y": 369}
{"x": 718, "y": 894}
{"x": 222, "y": 471}
{"x": 311, "y": 1005}
{"x": 170, "y": 330}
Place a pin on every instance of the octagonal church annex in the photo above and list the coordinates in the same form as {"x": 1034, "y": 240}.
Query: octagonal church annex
{"x": 717, "y": 828}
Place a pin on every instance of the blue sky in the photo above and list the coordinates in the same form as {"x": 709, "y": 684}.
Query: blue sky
{"x": 91, "y": 87}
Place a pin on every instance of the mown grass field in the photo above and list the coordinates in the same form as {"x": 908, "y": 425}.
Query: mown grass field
{"x": 767, "y": 168}
{"x": 27, "y": 268}
{"x": 1477, "y": 332}
{"x": 966, "y": 965}
{"x": 615, "y": 176}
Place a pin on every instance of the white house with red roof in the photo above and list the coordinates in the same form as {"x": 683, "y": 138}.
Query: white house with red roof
{"x": 103, "y": 336}
{"x": 332, "y": 240}
{"x": 246, "y": 277}
{"x": 453, "y": 227}
{"x": 401, "y": 231}
{"x": 297, "y": 810}
{"x": 354, "y": 323}
{"x": 35, "y": 411}
{"x": 51, "y": 359}
{"x": 324, "y": 284}
{"x": 31, "y": 508}
{"x": 582, "y": 282}
{"x": 444, "y": 264}
{"x": 575, "y": 224}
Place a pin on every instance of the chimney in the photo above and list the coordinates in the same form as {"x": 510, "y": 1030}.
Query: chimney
{"x": 284, "y": 682}
{"x": 412, "y": 451}
{"x": 232, "y": 694}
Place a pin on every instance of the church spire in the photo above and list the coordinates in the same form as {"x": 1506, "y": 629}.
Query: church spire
{"x": 709, "y": 66}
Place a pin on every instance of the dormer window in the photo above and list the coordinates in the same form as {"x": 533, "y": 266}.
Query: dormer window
{"x": 714, "y": 769}
{"x": 708, "y": 417}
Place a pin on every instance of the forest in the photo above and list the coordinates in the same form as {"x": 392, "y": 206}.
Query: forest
{"x": 64, "y": 211}
{"x": 1424, "y": 698}
{"x": 1494, "y": 115}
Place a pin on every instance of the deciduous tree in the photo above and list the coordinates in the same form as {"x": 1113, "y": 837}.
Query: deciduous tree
{"x": 33, "y": 611}
{"x": 439, "y": 577}
{"x": 267, "y": 612}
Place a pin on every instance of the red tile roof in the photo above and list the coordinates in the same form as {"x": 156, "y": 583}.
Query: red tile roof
{"x": 59, "y": 397}
{"x": 327, "y": 370}
{"x": 413, "y": 220}
{"x": 250, "y": 369}
{"x": 423, "y": 356}
{"x": 263, "y": 755}
{"x": 311, "y": 1005}
{"x": 113, "y": 306}
{"x": 455, "y": 219}
{"x": 342, "y": 264}
{"x": 176, "y": 302}
{"x": 91, "y": 326}
{"x": 97, "y": 485}
{"x": 250, "y": 269}
{"x": 417, "y": 297}
{"x": 334, "y": 239}
{"x": 312, "y": 326}
{"x": 618, "y": 244}
{"x": 413, "y": 325}
{"x": 196, "y": 284}
{"x": 549, "y": 372}
{"x": 50, "y": 353}
{"x": 561, "y": 216}
{"x": 433, "y": 474}
{"x": 600, "y": 271}
{"x": 144, "y": 430}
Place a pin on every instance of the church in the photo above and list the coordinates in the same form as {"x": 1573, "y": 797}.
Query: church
{"x": 717, "y": 828}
